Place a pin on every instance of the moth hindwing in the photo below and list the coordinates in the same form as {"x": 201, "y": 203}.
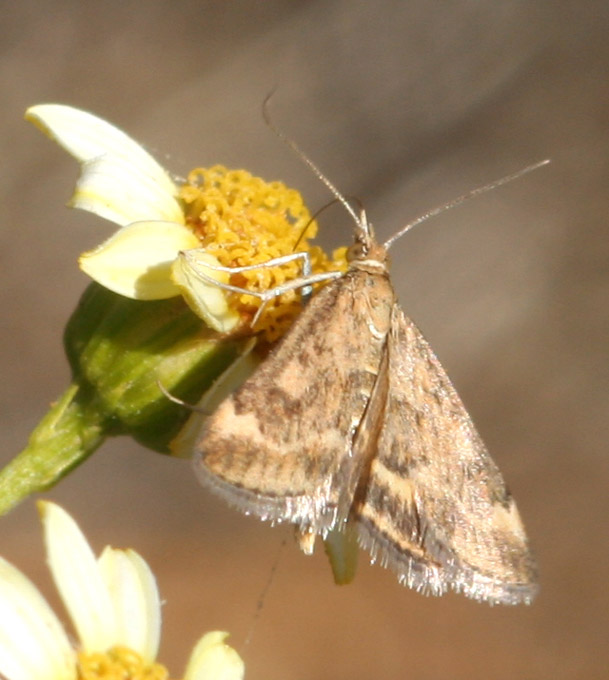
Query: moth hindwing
{"x": 352, "y": 418}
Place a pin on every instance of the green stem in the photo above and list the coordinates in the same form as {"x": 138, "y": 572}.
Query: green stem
{"x": 71, "y": 431}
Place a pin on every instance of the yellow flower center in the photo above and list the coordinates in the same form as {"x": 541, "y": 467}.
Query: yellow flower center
{"x": 243, "y": 220}
{"x": 118, "y": 663}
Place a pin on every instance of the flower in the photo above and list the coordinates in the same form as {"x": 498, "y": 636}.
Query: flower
{"x": 123, "y": 183}
{"x": 230, "y": 218}
{"x": 201, "y": 244}
{"x": 114, "y": 605}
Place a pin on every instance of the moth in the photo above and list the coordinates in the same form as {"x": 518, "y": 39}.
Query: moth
{"x": 351, "y": 418}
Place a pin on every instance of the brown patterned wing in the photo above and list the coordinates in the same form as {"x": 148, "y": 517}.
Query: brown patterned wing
{"x": 281, "y": 446}
{"x": 433, "y": 505}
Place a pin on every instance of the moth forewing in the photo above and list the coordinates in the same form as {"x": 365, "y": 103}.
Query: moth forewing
{"x": 436, "y": 509}
{"x": 282, "y": 445}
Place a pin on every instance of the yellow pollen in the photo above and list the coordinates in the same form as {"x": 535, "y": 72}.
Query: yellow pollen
{"x": 118, "y": 663}
{"x": 243, "y": 220}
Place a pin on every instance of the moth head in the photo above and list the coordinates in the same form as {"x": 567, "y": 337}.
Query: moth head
{"x": 365, "y": 247}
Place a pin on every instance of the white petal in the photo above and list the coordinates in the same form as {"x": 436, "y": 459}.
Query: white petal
{"x": 136, "y": 600}
{"x": 79, "y": 580}
{"x": 206, "y": 299}
{"x": 115, "y": 166}
{"x": 136, "y": 261}
{"x": 212, "y": 659}
{"x": 33, "y": 645}
{"x": 113, "y": 188}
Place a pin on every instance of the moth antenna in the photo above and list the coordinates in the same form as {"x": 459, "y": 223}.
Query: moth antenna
{"x": 305, "y": 159}
{"x": 313, "y": 217}
{"x": 462, "y": 199}
{"x": 318, "y": 212}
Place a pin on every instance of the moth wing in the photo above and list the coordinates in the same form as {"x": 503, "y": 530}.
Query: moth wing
{"x": 433, "y": 505}
{"x": 281, "y": 446}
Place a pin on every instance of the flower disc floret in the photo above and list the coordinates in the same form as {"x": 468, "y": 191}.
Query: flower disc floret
{"x": 242, "y": 220}
{"x": 118, "y": 663}
{"x": 235, "y": 218}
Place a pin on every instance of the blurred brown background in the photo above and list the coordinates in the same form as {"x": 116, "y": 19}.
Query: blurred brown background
{"x": 405, "y": 105}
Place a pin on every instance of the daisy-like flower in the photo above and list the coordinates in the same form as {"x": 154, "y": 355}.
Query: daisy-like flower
{"x": 231, "y": 218}
{"x": 114, "y": 605}
{"x": 198, "y": 245}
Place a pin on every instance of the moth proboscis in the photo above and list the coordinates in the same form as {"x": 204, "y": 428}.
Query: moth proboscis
{"x": 351, "y": 418}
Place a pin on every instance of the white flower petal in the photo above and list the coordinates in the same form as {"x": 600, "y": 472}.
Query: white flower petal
{"x": 87, "y": 137}
{"x": 206, "y": 299}
{"x": 136, "y": 261}
{"x": 115, "y": 167}
{"x": 114, "y": 189}
{"x": 212, "y": 659}
{"x": 135, "y": 595}
{"x": 33, "y": 645}
{"x": 78, "y": 579}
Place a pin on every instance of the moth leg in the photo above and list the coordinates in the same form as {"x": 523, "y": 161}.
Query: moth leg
{"x": 305, "y": 282}
{"x": 190, "y": 255}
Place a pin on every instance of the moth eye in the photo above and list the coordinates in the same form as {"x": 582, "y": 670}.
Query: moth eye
{"x": 357, "y": 251}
